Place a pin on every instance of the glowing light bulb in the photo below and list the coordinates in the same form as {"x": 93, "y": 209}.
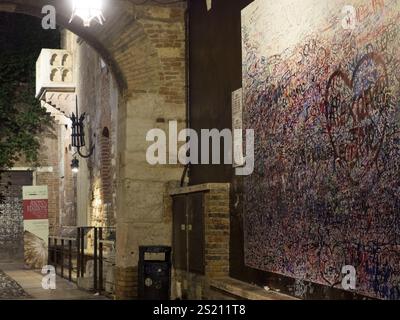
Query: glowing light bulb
{"x": 75, "y": 170}
{"x": 88, "y": 10}
{"x": 75, "y": 165}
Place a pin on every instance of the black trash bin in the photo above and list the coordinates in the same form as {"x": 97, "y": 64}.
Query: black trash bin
{"x": 154, "y": 273}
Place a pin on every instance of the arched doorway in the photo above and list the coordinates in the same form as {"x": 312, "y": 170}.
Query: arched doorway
{"x": 144, "y": 48}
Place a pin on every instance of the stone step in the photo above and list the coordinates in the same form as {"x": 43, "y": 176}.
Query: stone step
{"x": 242, "y": 290}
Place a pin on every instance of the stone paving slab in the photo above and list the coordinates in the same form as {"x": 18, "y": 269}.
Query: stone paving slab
{"x": 20, "y": 283}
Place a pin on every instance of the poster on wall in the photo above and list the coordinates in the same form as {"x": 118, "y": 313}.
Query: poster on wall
{"x": 237, "y": 124}
{"x": 36, "y": 225}
{"x": 321, "y": 89}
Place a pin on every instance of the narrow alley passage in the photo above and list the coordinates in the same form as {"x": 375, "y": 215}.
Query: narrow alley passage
{"x": 191, "y": 151}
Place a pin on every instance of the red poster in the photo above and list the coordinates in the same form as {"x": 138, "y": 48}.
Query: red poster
{"x": 35, "y": 209}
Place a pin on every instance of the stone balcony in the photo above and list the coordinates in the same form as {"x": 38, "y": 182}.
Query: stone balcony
{"x": 55, "y": 83}
{"x": 54, "y": 72}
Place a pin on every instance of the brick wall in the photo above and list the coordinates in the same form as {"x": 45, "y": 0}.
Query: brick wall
{"x": 106, "y": 174}
{"x": 48, "y": 157}
{"x": 126, "y": 283}
{"x": 217, "y": 231}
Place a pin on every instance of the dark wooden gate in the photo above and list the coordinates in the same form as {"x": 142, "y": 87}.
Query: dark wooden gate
{"x": 188, "y": 232}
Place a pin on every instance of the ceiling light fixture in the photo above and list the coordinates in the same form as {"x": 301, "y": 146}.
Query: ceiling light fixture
{"x": 88, "y": 10}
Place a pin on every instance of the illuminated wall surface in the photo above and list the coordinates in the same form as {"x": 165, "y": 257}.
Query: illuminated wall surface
{"x": 322, "y": 94}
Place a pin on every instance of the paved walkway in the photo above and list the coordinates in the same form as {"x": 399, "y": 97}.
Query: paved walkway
{"x": 17, "y": 283}
{"x": 10, "y": 289}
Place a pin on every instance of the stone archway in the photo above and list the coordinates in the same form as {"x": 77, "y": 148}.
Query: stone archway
{"x": 144, "y": 46}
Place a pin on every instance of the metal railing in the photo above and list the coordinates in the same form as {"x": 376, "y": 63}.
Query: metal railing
{"x": 56, "y": 256}
{"x": 74, "y": 253}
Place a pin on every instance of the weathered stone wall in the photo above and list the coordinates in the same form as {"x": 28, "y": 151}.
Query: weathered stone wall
{"x": 49, "y": 174}
{"x": 67, "y": 180}
{"x": 98, "y": 98}
{"x": 157, "y": 95}
{"x": 55, "y": 172}
{"x": 117, "y": 123}
{"x": 88, "y": 197}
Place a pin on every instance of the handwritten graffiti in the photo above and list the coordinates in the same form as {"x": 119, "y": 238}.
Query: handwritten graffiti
{"x": 325, "y": 191}
{"x": 355, "y": 111}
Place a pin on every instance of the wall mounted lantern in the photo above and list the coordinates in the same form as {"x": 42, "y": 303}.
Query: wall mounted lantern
{"x": 88, "y": 10}
{"x": 75, "y": 165}
{"x": 78, "y": 133}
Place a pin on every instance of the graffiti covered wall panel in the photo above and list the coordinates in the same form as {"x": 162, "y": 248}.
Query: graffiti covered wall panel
{"x": 321, "y": 83}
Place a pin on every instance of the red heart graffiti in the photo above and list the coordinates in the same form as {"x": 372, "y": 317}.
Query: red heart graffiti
{"x": 356, "y": 112}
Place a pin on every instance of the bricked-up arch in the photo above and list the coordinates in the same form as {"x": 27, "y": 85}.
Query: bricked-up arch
{"x": 105, "y": 171}
{"x": 144, "y": 46}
